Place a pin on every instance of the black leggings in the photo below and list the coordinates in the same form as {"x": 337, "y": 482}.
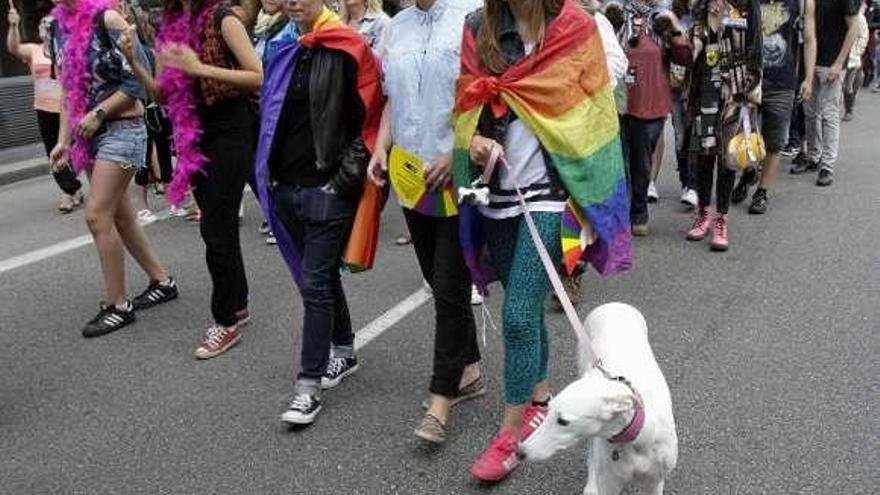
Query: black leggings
{"x": 705, "y": 175}
{"x": 65, "y": 178}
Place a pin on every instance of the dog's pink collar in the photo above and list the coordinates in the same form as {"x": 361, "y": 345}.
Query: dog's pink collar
{"x": 632, "y": 430}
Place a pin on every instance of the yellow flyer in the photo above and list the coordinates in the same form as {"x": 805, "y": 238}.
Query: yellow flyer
{"x": 407, "y": 174}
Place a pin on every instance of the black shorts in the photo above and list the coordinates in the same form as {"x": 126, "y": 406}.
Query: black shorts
{"x": 776, "y": 107}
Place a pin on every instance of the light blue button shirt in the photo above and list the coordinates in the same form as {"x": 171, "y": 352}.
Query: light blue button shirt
{"x": 420, "y": 54}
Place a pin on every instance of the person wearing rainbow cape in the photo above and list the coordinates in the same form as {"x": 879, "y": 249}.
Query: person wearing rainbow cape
{"x": 535, "y": 96}
{"x": 321, "y": 103}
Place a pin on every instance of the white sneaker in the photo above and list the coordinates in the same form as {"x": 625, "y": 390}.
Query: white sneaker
{"x": 476, "y": 297}
{"x": 653, "y": 195}
{"x": 689, "y": 197}
{"x": 271, "y": 240}
{"x": 175, "y": 211}
{"x": 145, "y": 216}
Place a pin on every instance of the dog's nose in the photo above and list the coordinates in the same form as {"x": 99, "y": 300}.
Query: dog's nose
{"x": 521, "y": 455}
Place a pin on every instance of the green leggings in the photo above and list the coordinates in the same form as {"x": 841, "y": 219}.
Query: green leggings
{"x": 526, "y": 346}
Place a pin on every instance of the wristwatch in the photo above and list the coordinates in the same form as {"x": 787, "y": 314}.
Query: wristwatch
{"x": 100, "y": 114}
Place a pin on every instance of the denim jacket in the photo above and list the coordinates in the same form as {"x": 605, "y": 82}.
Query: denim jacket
{"x": 420, "y": 53}
{"x": 110, "y": 70}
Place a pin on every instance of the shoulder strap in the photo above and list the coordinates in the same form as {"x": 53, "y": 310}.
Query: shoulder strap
{"x": 101, "y": 28}
{"x": 53, "y": 48}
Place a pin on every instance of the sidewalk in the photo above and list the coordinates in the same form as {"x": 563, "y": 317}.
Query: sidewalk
{"x": 21, "y": 163}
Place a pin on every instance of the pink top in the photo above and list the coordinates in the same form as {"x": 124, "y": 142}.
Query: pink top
{"x": 47, "y": 91}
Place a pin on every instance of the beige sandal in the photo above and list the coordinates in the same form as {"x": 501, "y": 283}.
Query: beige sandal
{"x": 470, "y": 391}
{"x": 431, "y": 429}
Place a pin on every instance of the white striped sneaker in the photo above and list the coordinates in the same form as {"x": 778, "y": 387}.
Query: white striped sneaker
{"x": 156, "y": 293}
{"x": 109, "y": 319}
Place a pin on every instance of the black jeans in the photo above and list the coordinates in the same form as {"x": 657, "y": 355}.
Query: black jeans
{"x": 159, "y": 134}
{"x": 639, "y": 140}
{"x": 440, "y": 258}
{"x": 218, "y": 194}
{"x": 65, "y": 178}
{"x": 706, "y": 170}
{"x": 319, "y": 223}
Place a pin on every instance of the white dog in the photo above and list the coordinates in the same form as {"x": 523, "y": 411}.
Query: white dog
{"x": 624, "y": 407}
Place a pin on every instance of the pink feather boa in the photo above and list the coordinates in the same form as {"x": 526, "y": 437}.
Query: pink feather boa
{"x": 78, "y": 26}
{"x": 183, "y": 28}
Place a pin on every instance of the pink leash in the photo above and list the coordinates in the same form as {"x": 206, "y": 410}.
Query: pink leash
{"x": 549, "y": 267}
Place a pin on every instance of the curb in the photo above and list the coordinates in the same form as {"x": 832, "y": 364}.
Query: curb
{"x": 19, "y": 171}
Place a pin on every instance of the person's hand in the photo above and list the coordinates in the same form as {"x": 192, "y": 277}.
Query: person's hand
{"x": 481, "y": 149}
{"x": 806, "y": 91}
{"x": 439, "y": 173}
{"x": 126, "y": 42}
{"x": 183, "y": 58}
{"x": 88, "y": 126}
{"x": 377, "y": 170}
{"x": 834, "y": 72}
{"x": 59, "y": 156}
{"x": 13, "y": 17}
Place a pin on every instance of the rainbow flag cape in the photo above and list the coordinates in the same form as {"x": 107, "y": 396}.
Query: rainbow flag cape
{"x": 331, "y": 33}
{"x": 562, "y": 93}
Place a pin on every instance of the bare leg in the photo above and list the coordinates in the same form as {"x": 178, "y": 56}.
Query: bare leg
{"x": 541, "y": 392}
{"x": 770, "y": 168}
{"x": 513, "y": 416}
{"x": 440, "y": 407}
{"x": 109, "y": 183}
{"x": 135, "y": 241}
{"x": 470, "y": 373}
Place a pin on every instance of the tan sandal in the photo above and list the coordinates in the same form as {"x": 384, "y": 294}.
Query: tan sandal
{"x": 472, "y": 390}
{"x": 431, "y": 429}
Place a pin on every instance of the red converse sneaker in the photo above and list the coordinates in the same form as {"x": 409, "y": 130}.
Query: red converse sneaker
{"x": 218, "y": 339}
{"x": 532, "y": 419}
{"x": 701, "y": 225}
{"x": 498, "y": 460}
{"x": 719, "y": 234}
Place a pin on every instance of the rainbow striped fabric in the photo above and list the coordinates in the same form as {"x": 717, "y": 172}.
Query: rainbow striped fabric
{"x": 562, "y": 93}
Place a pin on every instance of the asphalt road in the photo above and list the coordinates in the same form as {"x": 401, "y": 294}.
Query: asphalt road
{"x": 769, "y": 349}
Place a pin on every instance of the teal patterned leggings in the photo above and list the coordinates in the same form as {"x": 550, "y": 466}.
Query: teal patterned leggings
{"x": 526, "y": 346}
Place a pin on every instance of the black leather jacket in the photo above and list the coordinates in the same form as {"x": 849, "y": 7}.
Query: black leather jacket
{"x": 337, "y": 118}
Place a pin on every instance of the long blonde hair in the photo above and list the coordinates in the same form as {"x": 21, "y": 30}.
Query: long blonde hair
{"x": 488, "y": 46}
{"x": 374, "y": 6}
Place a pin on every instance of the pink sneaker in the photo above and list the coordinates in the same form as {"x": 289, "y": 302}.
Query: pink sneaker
{"x": 701, "y": 225}
{"x": 532, "y": 419}
{"x": 498, "y": 460}
{"x": 719, "y": 234}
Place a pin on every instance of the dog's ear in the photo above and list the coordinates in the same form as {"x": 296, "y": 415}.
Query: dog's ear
{"x": 618, "y": 404}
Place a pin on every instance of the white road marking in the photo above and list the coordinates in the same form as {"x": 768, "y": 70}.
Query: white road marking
{"x": 376, "y": 327}
{"x": 59, "y": 248}
{"x": 363, "y": 336}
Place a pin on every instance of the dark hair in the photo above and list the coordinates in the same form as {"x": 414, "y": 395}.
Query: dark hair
{"x": 177, "y": 5}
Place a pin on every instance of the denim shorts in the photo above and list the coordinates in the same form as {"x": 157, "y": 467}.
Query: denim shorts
{"x": 776, "y": 107}
{"x": 123, "y": 141}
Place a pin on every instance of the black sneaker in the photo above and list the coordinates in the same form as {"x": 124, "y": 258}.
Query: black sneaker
{"x": 337, "y": 369}
{"x": 109, "y": 319}
{"x": 790, "y": 151}
{"x": 804, "y": 166}
{"x": 826, "y": 177}
{"x": 749, "y": 178}
{"x": 303, "y": 410}
{"x": 156, "y": 293}
{"x": 759, "y": 202}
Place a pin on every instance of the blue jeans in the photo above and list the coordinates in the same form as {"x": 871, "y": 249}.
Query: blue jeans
{"x": 319, "y": 222}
